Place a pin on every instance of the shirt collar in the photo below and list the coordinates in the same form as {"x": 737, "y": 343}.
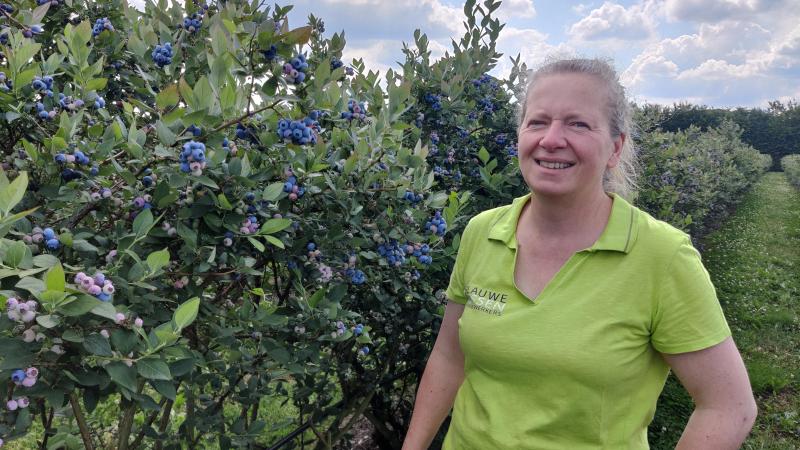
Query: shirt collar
{"x": 619, "y": 234}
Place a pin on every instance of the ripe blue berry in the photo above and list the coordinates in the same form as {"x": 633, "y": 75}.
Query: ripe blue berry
{"x": 101, "y": 25}
{"x": 53, "y": 244}
{"x": 162, "y": 55}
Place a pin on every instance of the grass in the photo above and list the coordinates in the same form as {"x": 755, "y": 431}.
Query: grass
{"x": 754, "y": 261}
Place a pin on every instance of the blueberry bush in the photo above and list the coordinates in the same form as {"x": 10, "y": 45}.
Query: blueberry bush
{"x": 202, "y": 207}
{"x": 791, "y": 167}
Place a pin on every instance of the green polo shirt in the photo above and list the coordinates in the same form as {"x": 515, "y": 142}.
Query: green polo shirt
{"x": 578, "y": 367}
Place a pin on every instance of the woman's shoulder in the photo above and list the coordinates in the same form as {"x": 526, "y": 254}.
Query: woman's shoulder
{"x": 654, "y": 234}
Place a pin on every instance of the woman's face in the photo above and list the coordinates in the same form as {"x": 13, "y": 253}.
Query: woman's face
{"x": 565, "y": 145}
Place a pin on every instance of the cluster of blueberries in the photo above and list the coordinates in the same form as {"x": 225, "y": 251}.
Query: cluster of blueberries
{"x": 394, "y": 253}
{"x": 20, "y": 311}
{"x": 336, "y": 63}
{"x": 193, "y": 23}
{"x": 295, "y": 70}
{"x": 98, "y": 285}
{"x": 32, "y": 31}
{"x": 193, "y": 158}
{"x": 53, "y": 3}
{"x": 357, "y": 276}
{"x": 437, "y": 225}
{"x": 271, "y": 53}
{"x": 169, "y": 229}
{"x": 162, "y": 54}
{"x": 434, "y": 138}
{"x": 294, "y": 189}
{"x": 68, "y": 103}
{"x": 77, "y": 157}
{"x": 195, "y": 130}
{"x": 5, "y": 83}
{"x": 413, "y": 198}
{"x": 49, "y": 237}
{"x": 248, "y": 133}
{"x": 228, "y": 240}
{"x": 511, "y": 150}
{"x": 434, "y": 100}
{"x": 5, "y": 7}
{"x": 101, "y": 25}
{"x": 420, "y": 251}
{"x": 99, "y": 102}
{"x": 249, "y": 225}
{"x": 300, "y": 132}
{"x": 501, "y": 139}
{"x": 43, "y": 113}
{"x": 26, "y": 378}
{"x": 487, "y": 106}
{"x": 485, "y": 80}
{"x": 44, "y": 83}
{"x": 142, "y": 202}
{"x": 355, "y": 110}
{"x": 103, "y": 193}
{"x": 418, "y": 120}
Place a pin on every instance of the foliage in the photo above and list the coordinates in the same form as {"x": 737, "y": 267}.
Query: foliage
{"x": 791, "y": 167}
{"x": 239, "y": 215}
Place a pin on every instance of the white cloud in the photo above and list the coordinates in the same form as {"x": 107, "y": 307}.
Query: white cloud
{"x": 715, "y": 10}
{"x": 614, "y": 21}
{"x": 715, "y": 69}
{"x": 530, "y": 44}
{"x": 373, "y": 54}
{"x": 580, "y": 8}
{"x": 516, "y": 9}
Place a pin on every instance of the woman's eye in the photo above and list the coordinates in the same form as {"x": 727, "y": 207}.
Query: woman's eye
{"x": 579, "y": 124}
{"x": 536, "y": 123}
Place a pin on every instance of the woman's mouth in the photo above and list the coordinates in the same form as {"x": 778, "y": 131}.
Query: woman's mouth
{"x": 553, "y": 165}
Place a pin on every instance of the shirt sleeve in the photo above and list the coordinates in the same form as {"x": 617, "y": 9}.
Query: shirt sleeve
{"x": 688, "y": 316}
{"x": 455, "y": 290}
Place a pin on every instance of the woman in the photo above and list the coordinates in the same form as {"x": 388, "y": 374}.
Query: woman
{"x": 568, "y": 308}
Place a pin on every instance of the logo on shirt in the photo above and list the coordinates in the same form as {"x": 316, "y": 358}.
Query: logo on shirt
{"x": 485, "y": 300}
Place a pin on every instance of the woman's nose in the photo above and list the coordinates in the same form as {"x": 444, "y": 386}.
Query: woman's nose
{"x": 553, "y": 136}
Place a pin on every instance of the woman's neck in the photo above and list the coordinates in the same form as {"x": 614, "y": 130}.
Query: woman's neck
{"x": 582, "y": 219}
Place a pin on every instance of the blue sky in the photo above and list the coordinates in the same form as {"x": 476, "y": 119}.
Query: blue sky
{"x": 716, "y": 52}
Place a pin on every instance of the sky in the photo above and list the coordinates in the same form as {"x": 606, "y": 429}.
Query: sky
{"x": 720, "y": 53}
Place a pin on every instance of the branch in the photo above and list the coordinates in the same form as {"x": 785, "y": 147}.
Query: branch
{"x": 76, "y": 409}
{"x": 150, "y": 419}
{"x": 245, "y": 116}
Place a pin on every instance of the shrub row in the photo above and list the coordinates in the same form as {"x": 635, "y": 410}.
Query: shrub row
{"x": 791, "y": 167}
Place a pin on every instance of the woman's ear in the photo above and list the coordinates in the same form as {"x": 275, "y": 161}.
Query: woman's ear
{"x": 619, "y": 142}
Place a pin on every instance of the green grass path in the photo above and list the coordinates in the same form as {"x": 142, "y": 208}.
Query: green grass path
{"x": 754, "y": 261}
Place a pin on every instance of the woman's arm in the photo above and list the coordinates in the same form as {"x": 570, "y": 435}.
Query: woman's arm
{"x": 725, "y": 409}
{"x": 443, "y": 375}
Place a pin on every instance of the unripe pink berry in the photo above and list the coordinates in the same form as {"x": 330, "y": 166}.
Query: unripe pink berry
{"x": 96, "y": 196}
{"x": 293, "y": 196}
{"x": 108, "y": 289}
{"x": 28, "y": 335}
{"x": 28, "y": 381}
{"x": 27, "y": 239}
{"x": 12, "y": 303}
{"x": 165, "y": 226}
{"x": 57, "y": 349}
{"x": 31, "y": 305}
{"x": 40, "y": 337}
{"x": 104, "y": 333}
{"x": 28, "y": 316}
{"x": 79, "y": 277}
{"x": 36, "y": 230}
{"x": 23, "y": 402}
{"x": 148, "y": 198}
{"x": 14, "y": 314}
{"x": 119, "y": 318}
{"x": 71, "y": 158}
{"x": 138, "y": 322}
{"x": 86, "y": 283}
{"x": 244, "y": 230}
{"x": 172, "y": 232}
{"x": 37, "y": 238}
{"x": 95, "y": 290}
{"x": 12, "y": 405}
{"x": 177, "y": 284}
{"x": 32, "y": 372}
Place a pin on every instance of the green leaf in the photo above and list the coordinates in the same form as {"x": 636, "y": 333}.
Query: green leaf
{"x": 46, "y": 261}
{"x": 54, "y": 278}
{"x": 274, "y": 225}
{"x": 13, "y": 193}
{"x": 165, "y": 135}
{"x": 256, "y": 243}
{"x": 272, "y": 192}
{"x": 82, "y": 245}
{"x": 122, "y": 375}
{"x": 483, "y": 155}
{"x": 157, "y": 260}
{"x": 15, "y": 253}
{"x": 223, "y": 202}
{"x": 153, "y": 368}
{"x": 143, "y": 223}
{"x": 274, "y": 241}
{"x": 319, "y": 295}
{"x": 165, "y": 388}
{"x": 48, "y": 321}
{"x": 72, "y": 336}
{"x": 106, "y": 310}
{"x": 96, "y": 84}
{"x": 186, "y": 313}
{"x": 30, "y": 284}
{"x": 97, "y": 345}
{"x": 168, "y": 97}
{"x": 81, "y": 305}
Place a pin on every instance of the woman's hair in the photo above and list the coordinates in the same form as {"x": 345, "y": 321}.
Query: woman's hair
{"x": 622, "y": 178}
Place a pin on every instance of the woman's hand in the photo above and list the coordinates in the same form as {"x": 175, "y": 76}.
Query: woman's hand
{"x": 725, "y": 409}
{"x": 440, "y": 382}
